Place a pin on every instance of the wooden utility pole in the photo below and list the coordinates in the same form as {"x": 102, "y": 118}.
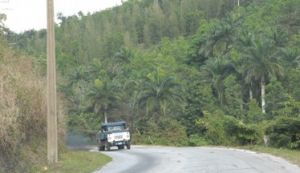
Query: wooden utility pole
{"x": 52, "y": 148}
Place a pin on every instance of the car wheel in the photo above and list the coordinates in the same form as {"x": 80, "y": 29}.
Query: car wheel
{"x": 128, "y": 146}
{"x": 102, "y": 148}
{"x": 107, "y": 147}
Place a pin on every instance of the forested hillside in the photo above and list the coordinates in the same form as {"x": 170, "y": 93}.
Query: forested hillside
{"x": 183, "y": 72}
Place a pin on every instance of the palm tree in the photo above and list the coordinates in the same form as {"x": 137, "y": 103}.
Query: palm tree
{"x": 75, "y": 87}
{"x": 245, "y": 40}
{"x": 290, "y": 57}
{"x": 260, "y": 64}
{"x": 78, "y": 74}
{"x": 215, "y": 71}
{"x": 103, "y": 98}
{"x": 158, "y": 93}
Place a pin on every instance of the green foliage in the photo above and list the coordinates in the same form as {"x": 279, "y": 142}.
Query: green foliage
{"x": 164, "y": 131}
{"x": 290, "y": 108}
{"x": 86, "y": 123}
{"x": 77, "y": 161}
{"x": 159, "y": 93}
{"x": 234, "y": 97}
{"x": 196, "y": 140}
{"x": 191, "y": 62}
{"x": 276, "y": 94}
{"x": 241, "y": 133}
{"x": 212, "y": 128}
{"x": 284, "y": 132}
{"x": 254, "y": 113}
{"x": 218, "y": 129}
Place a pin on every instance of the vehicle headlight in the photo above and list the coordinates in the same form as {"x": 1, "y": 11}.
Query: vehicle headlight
{"x": 127, "y": 135}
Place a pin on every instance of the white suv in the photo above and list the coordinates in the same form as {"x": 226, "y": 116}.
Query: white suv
{"x": 113, "y": 134}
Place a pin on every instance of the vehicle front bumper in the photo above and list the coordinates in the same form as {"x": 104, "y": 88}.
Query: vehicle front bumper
{"x": 118, "y": 143}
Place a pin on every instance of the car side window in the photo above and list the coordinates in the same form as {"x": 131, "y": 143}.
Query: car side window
{"x": 104, "y": 129}
{"x": 102, "y": 136}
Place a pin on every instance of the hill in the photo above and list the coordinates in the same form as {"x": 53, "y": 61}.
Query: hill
{"x": 182, "y": 72}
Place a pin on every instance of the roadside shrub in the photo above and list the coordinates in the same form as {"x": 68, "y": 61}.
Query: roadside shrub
{"x": 285, "y": 132}
{"x": 240, "y": 133}
{"x": 196, "y": 140}
{"x": 22, "y": 114}
{"x": 254, "y": 114}
{"x": 212, "y": 128}
{"x": 86, "y": 124}
{"x": 163, "y": 131}
{"x": 218, "y": 129}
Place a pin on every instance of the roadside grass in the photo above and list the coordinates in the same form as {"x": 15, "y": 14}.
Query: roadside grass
{"x": 291, "y": 155}
{"x": 77, "y": 161}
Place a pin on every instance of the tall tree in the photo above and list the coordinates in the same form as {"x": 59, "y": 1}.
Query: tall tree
{"x": 261, "y": 62}
{"x": 158, "y": 93}
{"x": 103, "y": 97}
{"x": 214, "y": 72}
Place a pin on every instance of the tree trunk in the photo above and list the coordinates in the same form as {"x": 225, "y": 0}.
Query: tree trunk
{"x": 250, "y": 94}
{"x": 105, "y": 113}
{"x": 250, "y": 91}
{"x": 164, "y": 108}
{"x": 263, "y": 93}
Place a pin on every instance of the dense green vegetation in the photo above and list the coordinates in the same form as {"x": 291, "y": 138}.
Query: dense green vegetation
{"x": 186, "y": 72}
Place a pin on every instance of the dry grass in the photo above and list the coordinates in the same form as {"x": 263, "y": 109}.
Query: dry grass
{"x": 22, "y": 112}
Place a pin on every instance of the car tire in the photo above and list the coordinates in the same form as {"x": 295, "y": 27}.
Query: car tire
{"x": 128, "y": 146}
{"x": 107, "y": 147}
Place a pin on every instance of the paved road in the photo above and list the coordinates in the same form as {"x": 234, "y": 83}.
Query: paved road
{"x": 145, "y": 159}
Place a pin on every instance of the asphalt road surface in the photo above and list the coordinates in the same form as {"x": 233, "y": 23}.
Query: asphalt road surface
{"x": 146, "y": 159}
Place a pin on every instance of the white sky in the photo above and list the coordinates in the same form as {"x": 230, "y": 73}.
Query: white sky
{"x": 23, "y": 15}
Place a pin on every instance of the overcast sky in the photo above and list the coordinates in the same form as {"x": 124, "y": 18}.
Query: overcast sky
{"x": 31, "y": 14}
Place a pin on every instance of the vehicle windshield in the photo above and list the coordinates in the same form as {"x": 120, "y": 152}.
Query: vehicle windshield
{"x": 115, "y": 128}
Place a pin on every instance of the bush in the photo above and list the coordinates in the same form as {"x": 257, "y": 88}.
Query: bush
{"x": 164, "y": 131}
{"x": 285, "y": 132}
{"x": 196, "y": 140}
{"x": 218, "y": 129}
{"x": 254, "y": 114}
{"x": 22, "y": 114}
{"x": 212, "y": 128}
{"x": 240, "y": 133}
